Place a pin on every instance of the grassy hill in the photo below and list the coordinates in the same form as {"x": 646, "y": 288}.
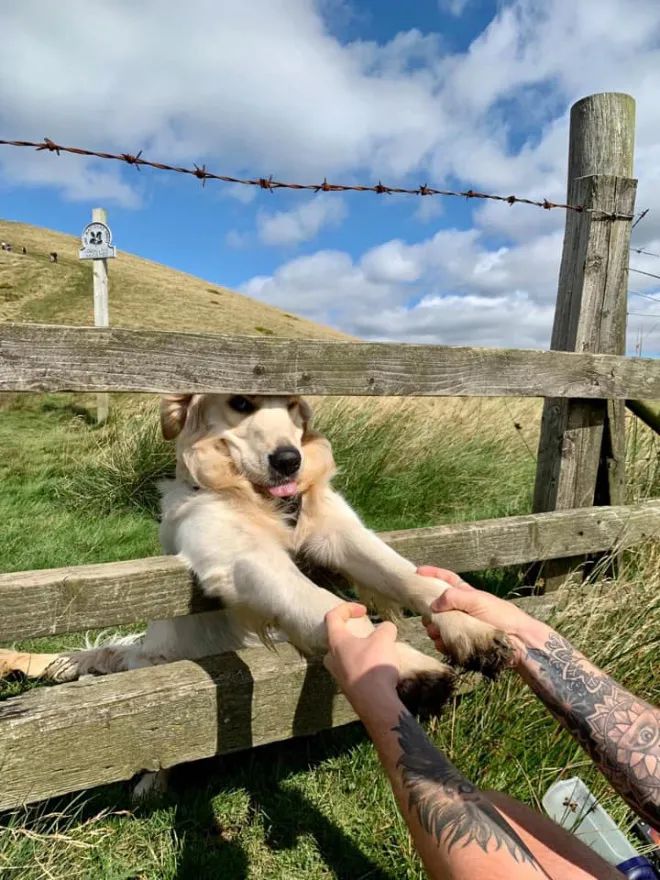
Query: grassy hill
{"x": 142, "y": 293}
{"x": 75, "y": 493}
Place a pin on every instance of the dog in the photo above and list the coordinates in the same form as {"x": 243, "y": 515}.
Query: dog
{"x": 252, "y": 492}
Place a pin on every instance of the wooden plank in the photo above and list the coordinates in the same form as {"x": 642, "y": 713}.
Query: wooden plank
{"x": 582, "y": 444}
{"x": 99, "y": 730}
{"x": 61, "y": 600}
{"x": 50, "y": 358}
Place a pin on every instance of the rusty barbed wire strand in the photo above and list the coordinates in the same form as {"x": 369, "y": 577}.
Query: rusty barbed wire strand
{"x": 268, "y": 183}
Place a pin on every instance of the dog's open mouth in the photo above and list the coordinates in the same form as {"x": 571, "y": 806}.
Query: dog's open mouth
{"x": 284, "y": 490}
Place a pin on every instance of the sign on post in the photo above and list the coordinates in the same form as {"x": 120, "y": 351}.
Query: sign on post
{"x": 97, "y": 242}
{"x": 97, "y": 245}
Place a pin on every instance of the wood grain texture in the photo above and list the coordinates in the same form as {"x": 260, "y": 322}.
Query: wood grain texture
{"x": 38, "y": 603}
{"x": 49, "y": 358}
{"x": 582, "y": 445}
{"x": 99, "y": 730}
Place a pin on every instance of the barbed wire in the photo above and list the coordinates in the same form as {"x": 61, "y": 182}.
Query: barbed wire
{"x": 645, "y": 252}
{"x": 644, "y": 296}
{"x": 642, "y": 272}
{"x": 202, "y": 173}
{"x": 641, "y": 216}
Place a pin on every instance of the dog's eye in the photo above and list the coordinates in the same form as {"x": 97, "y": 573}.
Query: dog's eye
{"x": 241, "y": 404}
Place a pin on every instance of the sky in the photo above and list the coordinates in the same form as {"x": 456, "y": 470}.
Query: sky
{"x": 452, "y": 93}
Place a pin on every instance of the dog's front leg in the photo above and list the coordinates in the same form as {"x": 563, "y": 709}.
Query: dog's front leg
{"x": 343, "y": 543}
{"x": 270, "y": 591}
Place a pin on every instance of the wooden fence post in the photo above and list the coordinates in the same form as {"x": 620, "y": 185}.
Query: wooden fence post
{"x": 101, "y": 312}
{"x": 581, "y": 457}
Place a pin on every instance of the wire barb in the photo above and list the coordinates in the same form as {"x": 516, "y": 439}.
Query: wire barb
{"x": 268, "y": 183}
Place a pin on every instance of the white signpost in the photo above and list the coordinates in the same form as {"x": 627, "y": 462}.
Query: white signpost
{"x": 97, "y": 246}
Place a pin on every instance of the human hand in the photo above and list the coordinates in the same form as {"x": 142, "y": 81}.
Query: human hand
{"x": 500, "y": 613}
{"x": 365, "y": 667}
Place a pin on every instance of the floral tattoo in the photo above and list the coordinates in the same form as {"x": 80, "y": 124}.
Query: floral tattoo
{"x": 620, "y": 732}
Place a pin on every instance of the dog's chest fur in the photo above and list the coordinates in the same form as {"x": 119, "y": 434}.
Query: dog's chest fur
{"x": 289, "y": 510}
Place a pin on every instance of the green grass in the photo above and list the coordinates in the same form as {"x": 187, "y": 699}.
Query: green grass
{"x": 317, "y": 807}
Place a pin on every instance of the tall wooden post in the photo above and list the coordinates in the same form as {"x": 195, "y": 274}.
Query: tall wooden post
{"x": 101, "y": 311}
{"x": 581, "y": 457}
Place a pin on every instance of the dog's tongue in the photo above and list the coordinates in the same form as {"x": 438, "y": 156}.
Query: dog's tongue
{"x": 286, "y": 490}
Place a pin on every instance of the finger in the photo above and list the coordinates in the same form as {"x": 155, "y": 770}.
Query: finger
{"x": 336, "y": 619}
{"x": 443, "y": 574}
{"x": 385, "y": 632}
{"x": 454, "y": 599}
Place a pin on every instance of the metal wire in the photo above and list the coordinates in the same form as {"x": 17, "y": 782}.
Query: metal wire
{"x": 268, "y": 183}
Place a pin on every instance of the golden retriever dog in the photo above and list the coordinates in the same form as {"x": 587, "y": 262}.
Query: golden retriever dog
{"x": 251, "y": 494}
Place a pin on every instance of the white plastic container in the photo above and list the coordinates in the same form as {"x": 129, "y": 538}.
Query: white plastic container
{"x": 571, "y": 804}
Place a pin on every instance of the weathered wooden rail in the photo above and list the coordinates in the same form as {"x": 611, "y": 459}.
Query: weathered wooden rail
{"x": 73, "y": 736}
{"x": 63, "y": 600}
{"x": 95, "y": 731}
{"x": 50, "y": 358}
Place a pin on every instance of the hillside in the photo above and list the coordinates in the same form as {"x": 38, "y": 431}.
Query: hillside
{"x": 142, "y": 293}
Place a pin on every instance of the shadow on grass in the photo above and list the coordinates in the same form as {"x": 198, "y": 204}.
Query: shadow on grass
{"x": 208, "y": 848}
{"x": 211, "y": 843}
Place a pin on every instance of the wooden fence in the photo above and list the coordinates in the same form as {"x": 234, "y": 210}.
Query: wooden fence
{"x": 65, "y": 738}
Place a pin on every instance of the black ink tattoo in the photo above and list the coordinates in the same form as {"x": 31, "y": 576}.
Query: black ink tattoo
{"x": 447, "y": 805}
{"x": 620, "y": 732}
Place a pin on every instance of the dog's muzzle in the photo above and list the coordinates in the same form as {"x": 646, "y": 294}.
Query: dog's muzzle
{"x": 285, "y": 460}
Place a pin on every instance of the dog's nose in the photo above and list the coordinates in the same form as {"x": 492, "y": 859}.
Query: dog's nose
{"x": 285, "y": 460}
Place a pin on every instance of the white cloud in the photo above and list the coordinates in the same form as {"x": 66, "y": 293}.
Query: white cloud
{"x": 302, "y": 223}
{"x": 262, "y": 87}
{"x": 453, "y": 7}
{"x": 451, "y": 288}
{"x": 266, "y": 87}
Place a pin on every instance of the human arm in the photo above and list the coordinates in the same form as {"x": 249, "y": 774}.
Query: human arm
{"x": 619, "y": 731}
{"x": 457, "y": 830}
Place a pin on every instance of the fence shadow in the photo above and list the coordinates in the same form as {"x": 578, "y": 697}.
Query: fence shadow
{"x": 209, "y": 849}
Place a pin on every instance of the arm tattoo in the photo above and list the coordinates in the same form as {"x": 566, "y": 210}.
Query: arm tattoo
{"x": 447, "y": 804}
{"x": 618, "y": 731}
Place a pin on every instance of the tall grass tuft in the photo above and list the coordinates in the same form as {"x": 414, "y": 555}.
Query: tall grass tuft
{"x": 399, "y": 464}
{"x": 122, "y": 470}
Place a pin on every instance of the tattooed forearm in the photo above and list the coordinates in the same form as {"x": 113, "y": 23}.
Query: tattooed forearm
{"x": 449, "y": 807}
{"x": 620, "y": 732}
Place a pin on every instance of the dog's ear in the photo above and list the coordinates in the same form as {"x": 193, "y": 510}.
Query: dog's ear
{"x": 173, "y": 413}
{"x": 306, "y": 414}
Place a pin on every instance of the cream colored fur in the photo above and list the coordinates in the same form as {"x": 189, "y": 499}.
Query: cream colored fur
{"x": 219, "y": 518}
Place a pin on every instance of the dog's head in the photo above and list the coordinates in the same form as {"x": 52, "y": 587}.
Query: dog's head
{"x": 229, "y": 441}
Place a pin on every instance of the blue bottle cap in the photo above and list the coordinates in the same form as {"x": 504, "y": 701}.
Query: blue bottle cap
{"x": 638, "y": 868}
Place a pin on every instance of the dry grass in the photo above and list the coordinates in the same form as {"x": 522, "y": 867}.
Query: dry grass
{"x": 321, "y": 808}
{"x": 142, "y": 293}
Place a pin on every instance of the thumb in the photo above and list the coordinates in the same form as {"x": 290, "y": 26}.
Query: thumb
{"x": 385, "y": 632}
{"x": 454, "y": 599}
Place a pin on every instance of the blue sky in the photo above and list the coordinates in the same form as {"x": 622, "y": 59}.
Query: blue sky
{"x": 457, "y": 93}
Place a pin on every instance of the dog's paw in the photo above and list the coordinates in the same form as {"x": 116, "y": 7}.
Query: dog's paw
{"x": 425, "y": 694}
{"x": 151, "y": 786}
{"x": 425, "y": 684}
{"x": 472, "y": 644}
{"x": 8, "y": 662}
